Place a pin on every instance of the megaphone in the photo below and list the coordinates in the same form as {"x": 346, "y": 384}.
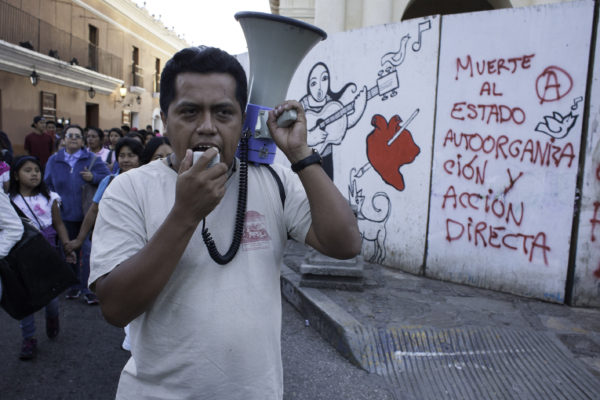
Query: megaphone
{"x": 276, "y": 46}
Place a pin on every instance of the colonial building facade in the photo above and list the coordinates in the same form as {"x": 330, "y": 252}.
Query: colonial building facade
{"x": 90, "y": 62}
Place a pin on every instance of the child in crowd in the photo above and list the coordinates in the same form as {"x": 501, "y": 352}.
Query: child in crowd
{"x": 29, "y": 192}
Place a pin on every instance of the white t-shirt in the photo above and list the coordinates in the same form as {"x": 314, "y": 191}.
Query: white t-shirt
{"x": 11, "y": 227}
{"x": 4, "y": 177}
{"x": 214, "y": 331}
{"x": 40, "y": 205}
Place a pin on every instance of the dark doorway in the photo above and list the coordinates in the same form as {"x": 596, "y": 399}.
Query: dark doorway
{"x": 423, "y": 8}
{"x": 93, "y": 48}
{"x": 92, "y": 112}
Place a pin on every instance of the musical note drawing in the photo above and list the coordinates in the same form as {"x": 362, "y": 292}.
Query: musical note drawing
{"x": 423, "y": 26}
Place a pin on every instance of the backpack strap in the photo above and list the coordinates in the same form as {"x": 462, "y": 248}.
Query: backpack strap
{"x": 279, "y": 183}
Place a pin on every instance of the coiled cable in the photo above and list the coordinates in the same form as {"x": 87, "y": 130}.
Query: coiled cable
{"x": 240, "y": 213}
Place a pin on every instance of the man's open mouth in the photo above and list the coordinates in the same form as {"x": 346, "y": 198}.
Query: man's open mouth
{"x": 204, "y": 148}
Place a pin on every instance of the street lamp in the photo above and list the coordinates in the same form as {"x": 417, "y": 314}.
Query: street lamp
{"x": 91, "y": 92}
{"x": 34, "y": 78}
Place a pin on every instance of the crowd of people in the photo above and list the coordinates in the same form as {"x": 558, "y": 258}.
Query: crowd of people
{"x": 48, "y": 184}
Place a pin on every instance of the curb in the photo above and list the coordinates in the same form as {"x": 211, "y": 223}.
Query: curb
{"x": 334, "y": 324}
{"x": 429, "y": 363}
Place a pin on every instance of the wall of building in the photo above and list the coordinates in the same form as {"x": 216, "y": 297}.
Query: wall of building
{"x": 121, "y": 25}
{"x": 464, "y": 157}
{"x": 586, "y": 277}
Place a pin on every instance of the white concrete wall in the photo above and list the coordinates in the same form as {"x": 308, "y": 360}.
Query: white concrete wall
{"x": 504, "y": 175}
{"x": 500, "y": 209}
{"x": 586, "y": 283}
{"x": 389, "y": 184}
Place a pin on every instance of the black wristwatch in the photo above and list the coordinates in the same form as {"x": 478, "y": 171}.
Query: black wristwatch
{"x": 314, "y": 158}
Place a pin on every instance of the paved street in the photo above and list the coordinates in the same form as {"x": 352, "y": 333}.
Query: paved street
{"x": 85, "y": 360}
{"x": 440, "y": 340}
{"x": 420, "y": 338}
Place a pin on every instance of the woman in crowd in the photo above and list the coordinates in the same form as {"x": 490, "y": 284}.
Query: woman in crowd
{"x": 136, "y": 135}
{"x": 128, "y": 152}
{"x": 6, "y": 150}
{"x": 66, "y": 172}
{"x": 113, "y": 137}
{"x": 41, "y": 206}
{"x": 95, "y": 142}
{"x": 149, "y": 136}
{"x": 156, "y": 148}
{"x": 6, "y": 156}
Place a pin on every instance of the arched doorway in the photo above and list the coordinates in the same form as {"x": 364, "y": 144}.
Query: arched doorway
{"x": 422, "y": 8}
{"x": 157, "y": 121}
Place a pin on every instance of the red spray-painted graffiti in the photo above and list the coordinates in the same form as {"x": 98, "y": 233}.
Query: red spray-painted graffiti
{"x": 494, "y": 66}
{"x": 543, "y": 153}
{"x": 496, "y": 218}
{"x": 595, "y": 220}
{"x": 553, "y": 84}
{"x": 387, "y": 158}
{"x": 484, "y": 234}
{"x": 498, "y": 113}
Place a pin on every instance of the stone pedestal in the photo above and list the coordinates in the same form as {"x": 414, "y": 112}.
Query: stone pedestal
{"x": 320, "y": 271}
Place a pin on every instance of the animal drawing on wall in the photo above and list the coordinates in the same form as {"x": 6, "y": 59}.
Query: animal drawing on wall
{"x": 557, "y": 125}
{"x": 371, "y": 218}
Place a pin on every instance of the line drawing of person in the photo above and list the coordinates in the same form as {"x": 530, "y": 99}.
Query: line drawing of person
{"x": 330, "y": 114}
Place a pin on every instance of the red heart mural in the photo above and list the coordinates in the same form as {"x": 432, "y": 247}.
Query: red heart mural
{"x": 387, "y": 159}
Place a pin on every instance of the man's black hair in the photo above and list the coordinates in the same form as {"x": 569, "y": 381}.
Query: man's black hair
{"x": 203, "y": 60}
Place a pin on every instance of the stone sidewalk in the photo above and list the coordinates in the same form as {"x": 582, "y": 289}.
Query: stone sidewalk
{"x": 436, "y": 340}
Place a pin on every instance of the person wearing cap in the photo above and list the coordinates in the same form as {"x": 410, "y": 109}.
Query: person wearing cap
{"x": 38, "y": 143}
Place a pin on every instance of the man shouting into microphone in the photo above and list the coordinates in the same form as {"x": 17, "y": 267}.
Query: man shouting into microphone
{"x": 199, "y": 329}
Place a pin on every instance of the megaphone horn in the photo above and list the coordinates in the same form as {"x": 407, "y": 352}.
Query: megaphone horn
{"x": 276, "y": 46}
